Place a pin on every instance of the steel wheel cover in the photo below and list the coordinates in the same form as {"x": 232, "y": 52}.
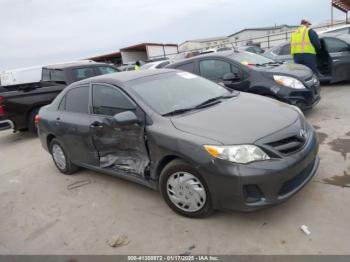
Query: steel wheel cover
{"x": 58, "y": 156}
{"x": 186, "y": 192}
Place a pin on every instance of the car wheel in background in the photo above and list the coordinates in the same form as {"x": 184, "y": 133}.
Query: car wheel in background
{"x": 61, "y": 159}
{"x": 184, "y": 190}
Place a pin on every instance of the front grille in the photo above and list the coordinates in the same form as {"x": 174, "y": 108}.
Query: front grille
{"x": 287, "y": 145}
{"x": 296, "y": 181}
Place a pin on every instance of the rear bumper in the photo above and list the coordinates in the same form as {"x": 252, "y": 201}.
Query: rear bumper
{"x": 6, "y": 124}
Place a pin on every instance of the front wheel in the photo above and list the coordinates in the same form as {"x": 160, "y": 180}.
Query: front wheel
{"x": 184, "y": 190}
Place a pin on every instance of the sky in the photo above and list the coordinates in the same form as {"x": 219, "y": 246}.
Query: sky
{"x": 39, "y": 32}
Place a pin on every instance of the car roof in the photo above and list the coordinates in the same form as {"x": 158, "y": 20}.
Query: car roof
{"x": 122, "y": 77}
{"x": 214, "y": 54}
{"x": 75, "y": 64}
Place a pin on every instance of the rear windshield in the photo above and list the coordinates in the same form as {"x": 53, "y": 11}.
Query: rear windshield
{"x": 53, "y": 75}
{"x": 247, "y": 58}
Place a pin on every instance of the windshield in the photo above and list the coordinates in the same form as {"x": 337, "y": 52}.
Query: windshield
{"x": 247, "y": 58}
{"x": 166, "y": 93}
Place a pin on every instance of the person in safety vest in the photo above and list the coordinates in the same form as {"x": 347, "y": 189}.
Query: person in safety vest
{"x": 304, "y": 46}
{"x": 137, "y": 66}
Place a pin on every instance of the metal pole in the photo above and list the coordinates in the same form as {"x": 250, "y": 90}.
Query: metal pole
{"x": 331, "y": 14}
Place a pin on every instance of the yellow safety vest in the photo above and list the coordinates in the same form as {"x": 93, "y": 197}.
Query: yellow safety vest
{"x": 300, "y": 42}
{"x": 137, "y": 68}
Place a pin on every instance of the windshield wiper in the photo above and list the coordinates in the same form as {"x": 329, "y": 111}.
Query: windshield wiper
{"x": 215, "y": 100}
{"x": 270, "y": 63}
{"x": 179, "y": 111}
{"x": 209, "y": 102}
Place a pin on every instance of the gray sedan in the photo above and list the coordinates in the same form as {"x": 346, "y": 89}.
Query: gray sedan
{"x": 333, "y": 60}
{"x": 202, "y": 146}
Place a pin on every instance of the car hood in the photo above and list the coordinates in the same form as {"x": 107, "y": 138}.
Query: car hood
{"x": 240, "y": 120}
{"x": 290, "y": 69}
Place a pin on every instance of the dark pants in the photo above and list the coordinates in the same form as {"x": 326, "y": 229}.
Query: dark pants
{"x": 308, "y": 60}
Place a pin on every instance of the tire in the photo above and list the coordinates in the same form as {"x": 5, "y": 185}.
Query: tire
{"x": 63, "y": 164}
{"x": 31, "y": 121}
{"x": 192, "y": 194}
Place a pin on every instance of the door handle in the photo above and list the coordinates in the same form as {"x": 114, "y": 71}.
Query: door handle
{"x": 96, "y": 125}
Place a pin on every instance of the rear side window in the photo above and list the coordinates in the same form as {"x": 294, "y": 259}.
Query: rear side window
{"x": 83, "y": 73}
{"x": 285, "y": 50}
{"x": 108, "y": 101}
{"x": 77, "y": 100}
{"x": 189, "y": 67}
{"x": 161, "y": 65}
{"x": 103, "y": 70}
{"x": 214, "y": 69}
{"x": 335, "y": 45}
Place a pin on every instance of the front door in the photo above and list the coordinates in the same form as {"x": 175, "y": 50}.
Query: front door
{"x": 339, "y": 52}
{"x": 121, "y": 148}
{"x": 215, "y": 69}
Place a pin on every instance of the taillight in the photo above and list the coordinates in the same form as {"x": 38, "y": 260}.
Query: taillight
{"x": 2, "y": 109}
{"x": 37, "y": 119}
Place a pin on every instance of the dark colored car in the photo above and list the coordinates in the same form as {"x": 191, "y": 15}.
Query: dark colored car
{"x": 18, "y": 108}
{"x": 202, "y": 146}
{"x": 243, "y": 71}
{"x": 333, "y": 61}
{"x": 251, "y": 49}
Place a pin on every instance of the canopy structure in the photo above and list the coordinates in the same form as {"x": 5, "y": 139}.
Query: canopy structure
{"x": 342, "y": 5}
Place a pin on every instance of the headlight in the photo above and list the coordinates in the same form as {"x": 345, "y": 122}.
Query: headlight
{"x": 288, "y": 82}
{"x": 238, "y": 154}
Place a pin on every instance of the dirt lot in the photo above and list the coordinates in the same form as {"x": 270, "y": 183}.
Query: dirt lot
{"x": 44, "y": 212}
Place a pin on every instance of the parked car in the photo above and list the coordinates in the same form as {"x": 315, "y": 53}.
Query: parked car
{"x": 202, "y": 146}
{"x": 333, "y": 61}
{"x": 339, "y": 30}
{"x": 18, "y": 108}
{"x": 251, "y": 49}
{"x": 155, "y": 65}
{"x": 126, "y": 68}
{"x": 220, "y": 49}
{"x": 244, "y": 71}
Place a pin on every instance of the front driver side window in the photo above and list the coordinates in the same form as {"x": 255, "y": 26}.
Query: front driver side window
{"x": 108, "y": 101}
{"x": 335, "y": 45}
{"x": 214, "y": 69}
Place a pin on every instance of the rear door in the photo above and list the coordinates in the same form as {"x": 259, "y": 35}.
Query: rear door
{"x": 339, "y": 52}
{"x": 120, "y": 148}
{"x": 215, "y": 69}
{"x": 72, "y": 124}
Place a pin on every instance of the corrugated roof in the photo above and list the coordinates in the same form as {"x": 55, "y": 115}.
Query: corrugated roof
{"x": 343, "y": 5}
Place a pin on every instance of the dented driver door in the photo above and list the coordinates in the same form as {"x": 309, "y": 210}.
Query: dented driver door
{"x": 121, "y": 147}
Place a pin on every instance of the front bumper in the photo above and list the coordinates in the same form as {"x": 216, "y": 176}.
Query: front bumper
{"x": 6, "y": 124}
{"x": 303, "y": 98}
{"x": 260, "y": 184}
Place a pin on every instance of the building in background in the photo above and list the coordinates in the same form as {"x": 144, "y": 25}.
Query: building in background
{"x": 143, "y": 52}
{"x": 203, "y": 43}
{"x": 261, "y": 35}
{"x": 147, "y": 52}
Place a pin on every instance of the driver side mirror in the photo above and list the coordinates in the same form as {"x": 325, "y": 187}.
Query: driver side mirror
{"x": 231, "y": 77}
{"x": 126, "y": 118}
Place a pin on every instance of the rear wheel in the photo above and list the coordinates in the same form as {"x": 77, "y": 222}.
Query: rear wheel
{"x": 61, "y": 159}
{"x": 184, "y": 190}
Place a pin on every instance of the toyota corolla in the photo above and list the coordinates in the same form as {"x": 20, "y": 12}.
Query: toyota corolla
{"x": 203, "y": 146}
